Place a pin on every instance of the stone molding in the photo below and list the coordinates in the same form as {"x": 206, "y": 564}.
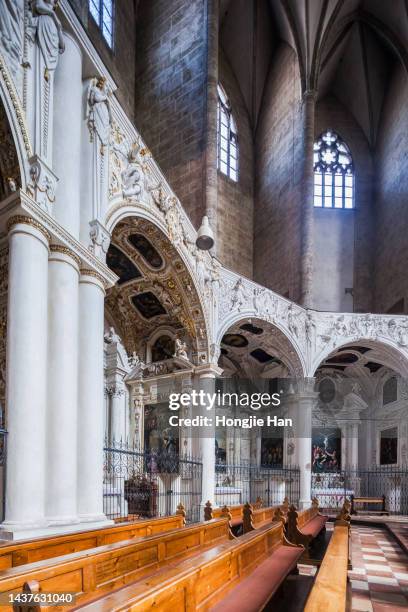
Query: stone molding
{"x": 22, "y": 219}
{"x": 58, "y": 248}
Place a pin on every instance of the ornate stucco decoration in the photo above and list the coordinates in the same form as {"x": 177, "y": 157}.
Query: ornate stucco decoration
{"x": 127, "y": 167}
{"x": 99, "y": 120}
{"x": 43, "y": 184}
{"x": 336, "y": 330}
{"x": 12, "y": 37}
{"x": 137, "y": 187}
{"x": 169, "y": 283}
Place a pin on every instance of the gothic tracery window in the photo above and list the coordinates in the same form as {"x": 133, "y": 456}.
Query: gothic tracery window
{"x": 227, "y": 138}
{"x": 102, "y": 12}
{"x": 333, "y": 172}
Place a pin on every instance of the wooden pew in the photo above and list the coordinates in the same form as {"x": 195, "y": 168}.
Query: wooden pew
{"x": 94, "y": 572}
{"x": 329, "y": 592}
{"x": 233, "y": 513}
{"x": 242, "y": 575}
{"x": 253, "y": 517}
{"x": 303, "y": 526}
{"x": 38, "y": 549}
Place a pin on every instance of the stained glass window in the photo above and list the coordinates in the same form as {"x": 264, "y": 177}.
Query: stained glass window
{"x": 333, "y": 172}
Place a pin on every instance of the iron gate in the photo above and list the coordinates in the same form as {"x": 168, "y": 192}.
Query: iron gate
{"x": 140, "y": 483}
{"x": 331, "y": 488}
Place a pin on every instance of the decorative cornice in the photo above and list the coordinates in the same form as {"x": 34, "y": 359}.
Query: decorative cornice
{"x": 28, "y": 221}
{"x": 63, "y": 236}
{"x": 58, "y": 248}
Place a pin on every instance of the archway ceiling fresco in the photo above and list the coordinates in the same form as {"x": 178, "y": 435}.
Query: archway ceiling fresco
{"x": 257, "y": 349}
{"x": 154, "y": 288}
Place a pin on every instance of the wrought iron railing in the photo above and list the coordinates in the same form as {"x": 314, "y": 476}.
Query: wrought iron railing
{"x": 146, "y": 484}
{"x": 331, "y": 488}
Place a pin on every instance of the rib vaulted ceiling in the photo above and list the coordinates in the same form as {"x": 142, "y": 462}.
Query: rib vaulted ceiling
{"x": 345, "y": 47}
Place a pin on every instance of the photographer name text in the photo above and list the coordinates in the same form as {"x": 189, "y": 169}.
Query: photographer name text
{"x": 224, "y": 421}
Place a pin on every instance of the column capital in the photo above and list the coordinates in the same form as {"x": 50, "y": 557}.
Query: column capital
{"x": 114, "y": 390}
{"x": 26, "y": 220}
{"x": 63, "y": 250}
{"x": 91, "y": 276}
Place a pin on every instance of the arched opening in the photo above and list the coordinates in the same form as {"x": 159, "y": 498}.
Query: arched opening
{"x": 258, "y": 360}
{"x": 10, "y": 181}
{"x": 155, "y": 339}
{"x": 359, "y": 433}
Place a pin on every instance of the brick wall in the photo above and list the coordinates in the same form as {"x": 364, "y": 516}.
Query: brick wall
{"x": 170, "y": 98}
{"x": 330, "y": 113}
{"x": 391, "y": 163}
{"x": 277, "y": 190}
{"x": 121, "y": 60}
{"x": 235, "y": 199}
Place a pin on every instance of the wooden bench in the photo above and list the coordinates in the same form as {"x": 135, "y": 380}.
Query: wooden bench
{"x": 369, "y": 500}
{"x": 241, "y": 575}
{"x": 92, "y": 573}
{"x": 304, "y": 526}
{"x": 27, "y": 551}
{"x": 253, "y": 517}
{"x": 329, "y": 592}
{"x": 233, "y": 513}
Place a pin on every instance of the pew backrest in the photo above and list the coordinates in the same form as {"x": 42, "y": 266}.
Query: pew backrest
{"x": 28, "y": 551}
{"x": 92, "y": 573}
{"x": 201, "y": 582}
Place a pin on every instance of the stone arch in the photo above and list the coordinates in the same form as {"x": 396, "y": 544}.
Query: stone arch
{"x": 15, "y": 115}
{"x": 177, "y": 283}
{"x": 383, "y": 350}
{"x": 276, "y": 336}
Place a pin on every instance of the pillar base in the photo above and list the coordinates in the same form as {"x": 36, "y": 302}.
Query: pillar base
{"x": 27, "y": 531}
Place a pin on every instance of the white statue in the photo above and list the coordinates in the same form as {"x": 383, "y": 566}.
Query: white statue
{"x": 239, "y": 295}
{"x": 11, "y": 21}
{"x": 99, "y": 110}
{"x": 180, "y": 349}
{"x": 131, "y": 176}
{"x": 48, "y": 33}
{"x": 112, "y": 337}
{"x": 135, "y": 361}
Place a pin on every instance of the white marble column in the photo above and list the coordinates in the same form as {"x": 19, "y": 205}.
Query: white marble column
{"x": 26, "y": 376}
{"x": 61, "y": 493}
{"x": 118, "y": 429}
{"x": 68, "y": 113}
{"x": 90, "y": 397}
{"x": 206, "y": 441}
{"x": 303, "y": 431}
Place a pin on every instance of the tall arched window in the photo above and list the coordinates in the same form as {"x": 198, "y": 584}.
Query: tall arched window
{"x": 333, "y": 172}
{"x": 103, "y": 13}
{"x": 227, "y": 138}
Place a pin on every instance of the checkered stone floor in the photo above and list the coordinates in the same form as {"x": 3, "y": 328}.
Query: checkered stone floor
{"x": 379, "y": 578}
